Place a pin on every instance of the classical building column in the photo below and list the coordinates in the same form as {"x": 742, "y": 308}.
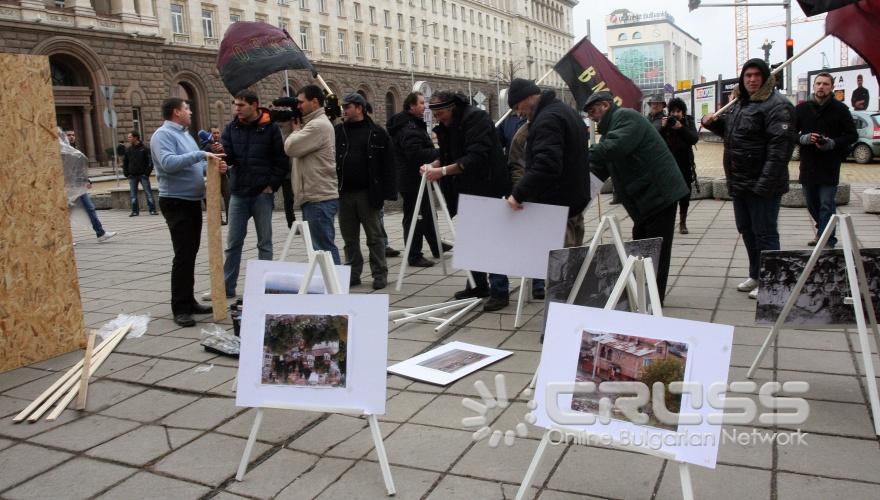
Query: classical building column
{"x": 89, "y": 139}
{"x": 124, "y": 9}
{"x": 81, "y": 7}
{"x": 145, "y": 7}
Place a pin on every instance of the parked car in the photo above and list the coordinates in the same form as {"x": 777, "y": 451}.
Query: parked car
{"x": 868, "y": 144}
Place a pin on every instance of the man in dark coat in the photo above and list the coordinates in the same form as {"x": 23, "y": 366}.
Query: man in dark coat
{"x": 255, "y": 152}
{"x": 759, "y": 137}
{"x": 680, "y": 134}
{"x": 471, "y": 154}
{"x": 412, "y": 149}
{"x": 365, "y": 171}
{"x": 645, "y": 176}
{"x": 825, "y": 132}
{"x": 137, "y": 164}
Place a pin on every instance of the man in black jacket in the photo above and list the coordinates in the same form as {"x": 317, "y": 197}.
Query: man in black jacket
{"x": 412, "y": 149}
{"x": 365, "y": 170}
{"x": 471, "y": 153}
{"x": 759, "y": 137}
{"x": 826, "y": 131}
{"x": 255, "y": 153}
{"x": 137, "y": 164}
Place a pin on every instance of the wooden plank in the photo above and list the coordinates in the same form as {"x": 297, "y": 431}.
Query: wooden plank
{"x": 215, "y": 240}
{"x": 86, "y": 372}
{"x": 39, "y": 292}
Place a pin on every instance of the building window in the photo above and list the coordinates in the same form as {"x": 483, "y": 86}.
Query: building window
{"x": 412, "y": 55}
{"x": 304, "y": 37}
{"x": 322, "y": 40}
{"x": 412, "y": 24}
{"x": 234, "y": 16}
{"x": 357, "y": 45}
{"x": 425, "y": 56}
{"x": 455, "y": 35}
{"x": 387, "y": 19}
{"x": 454, "y": 12}
{"x": 322, "y": 6}
{"x": 434, "y": 6}
{"x": 446, "y": 33}
{"x": 446, "y": 59}
{"x": 283, "y": 2}
{"x": 178, "y": 24}
{"x": 373, "y": 51}
{"x": 400, "y": 22}
{"x": 340, "y": 8}
{"x": 622, "y": 37}
{"x": 340, "y": 37}
{"x": 436, "y": 58}
{"x": 260, "y": 18}
{"x": 637, "y": 35}
{"x": 387, "y": 50}
{"x": 473, "y": 39}
{"x": 136, "y": 123}
{"x": 443, "y": 6}
{"x": 357, "y": 11}
{"x": 372, "y": 15}
{"x": 283, "y": 23}
{"x": 304, "y": 4}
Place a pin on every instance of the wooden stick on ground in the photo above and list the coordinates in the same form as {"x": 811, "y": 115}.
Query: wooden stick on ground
{"x": 86, "y": 370}
{"x": 215, "y": 240}
{"x": 72, "y": 372}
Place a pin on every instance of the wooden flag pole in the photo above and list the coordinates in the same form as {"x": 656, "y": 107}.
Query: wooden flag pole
{"x": 215, "y": 240}
{"x": 537, "y": 82}
{"x": 86, "y": 369}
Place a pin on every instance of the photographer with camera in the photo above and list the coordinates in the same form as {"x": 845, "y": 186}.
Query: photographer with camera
{"x": 825, "y": 132}
{"x": 680, "y": 134}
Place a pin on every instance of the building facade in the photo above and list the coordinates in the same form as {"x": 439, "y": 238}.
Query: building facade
{"x": 652, "y": 50}
{"x": 153, "y": 49}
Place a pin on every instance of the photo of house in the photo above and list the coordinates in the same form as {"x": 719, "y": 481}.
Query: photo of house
{"x": 305, "y": 350}
{"x": 606, "y": 356}
{"x": 453, "y": 360}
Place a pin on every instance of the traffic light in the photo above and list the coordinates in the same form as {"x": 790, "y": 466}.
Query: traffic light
{"x": 789, "y": 48}
{"x": 693, "y": 4}
{"x": 780, "y": 77}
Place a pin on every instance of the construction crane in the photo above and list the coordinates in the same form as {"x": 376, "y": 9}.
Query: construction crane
{"x": 844, "y": 50}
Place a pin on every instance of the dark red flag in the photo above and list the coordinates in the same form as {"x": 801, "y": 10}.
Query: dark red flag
{"x": 858, "y": 25}
{"x": 586, "y": 70}
{"x": 813, "y": 7}
{"x": 251, "y": 51}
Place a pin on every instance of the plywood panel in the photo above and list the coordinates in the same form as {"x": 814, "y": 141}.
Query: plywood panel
{"x": 40, "y": 309}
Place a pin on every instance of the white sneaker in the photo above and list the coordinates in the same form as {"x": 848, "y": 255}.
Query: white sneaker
{"x": 747, "y": 285}
{"x": 106, "y": 236}
{"x": 754, "y": 294}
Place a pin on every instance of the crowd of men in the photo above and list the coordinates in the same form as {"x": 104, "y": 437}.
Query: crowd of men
{"x": 542, "y": 155}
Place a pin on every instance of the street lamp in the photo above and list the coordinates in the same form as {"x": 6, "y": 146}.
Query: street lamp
{"x": 412, "y": 56}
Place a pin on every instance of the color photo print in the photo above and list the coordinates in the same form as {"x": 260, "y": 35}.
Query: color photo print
{"x": 821, "y": 299}
{"x": 604, "y": 271}
{"x": 305, "y": 350}
{"x": 607, "y": 356}
{"x": 453, "y": 360}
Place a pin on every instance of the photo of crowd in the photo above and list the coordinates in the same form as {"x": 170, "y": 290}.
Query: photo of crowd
{"x": 305, "y": 350}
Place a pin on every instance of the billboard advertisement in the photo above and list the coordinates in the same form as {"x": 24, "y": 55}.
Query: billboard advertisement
{"x": 855, "y": 86}
{"x": 704, "y": 100}
{"x": 643, "y": 64}
{"x": 727, "y": 87}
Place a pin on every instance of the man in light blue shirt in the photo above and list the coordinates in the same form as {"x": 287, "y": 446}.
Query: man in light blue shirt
{"x": 180, "y": 168}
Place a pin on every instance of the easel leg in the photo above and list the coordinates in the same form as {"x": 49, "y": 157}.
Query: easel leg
{"x": 520, "y": 299}
{"x": 445, "y": 209}
{"x": 436, "y": 223}
{"x": 533, "y": 467}
{"x": 380, "y": 452}
{"x": 687, "y": 487}
{"x": 411, "y": 233}
{"x": 252, "y": 438}
{"x": 443, "y": 326}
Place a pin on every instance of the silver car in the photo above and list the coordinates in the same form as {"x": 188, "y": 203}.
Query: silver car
{"x": 868, "y": 144}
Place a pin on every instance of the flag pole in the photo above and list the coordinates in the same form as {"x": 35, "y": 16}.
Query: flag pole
{"x": 537, "y": 82}
{"x": 778, "y": 69}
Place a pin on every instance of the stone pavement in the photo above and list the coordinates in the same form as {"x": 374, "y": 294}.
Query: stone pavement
{"x": 156, "y": 427}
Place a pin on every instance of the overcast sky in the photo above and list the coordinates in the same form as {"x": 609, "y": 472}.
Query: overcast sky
{"x": 714, "y": 27}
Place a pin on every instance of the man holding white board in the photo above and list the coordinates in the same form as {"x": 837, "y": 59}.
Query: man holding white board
{"x": 470, "y": 151}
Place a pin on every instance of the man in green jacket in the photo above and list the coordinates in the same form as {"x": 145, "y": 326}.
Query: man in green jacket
{"x": 643, "y": 171}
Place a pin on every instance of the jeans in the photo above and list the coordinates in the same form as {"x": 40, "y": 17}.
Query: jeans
{"x": 320, "y": 215}
{"x": 355, "y": 211}
{"x": 241, "y": 209}
{"x": 756, "y": 220}
{"x": 821, "y": 205}
{"x": 144, "y": 181}
{"x": 93, "y": 215}
{"x": 382, "y": 227}
{"x": 499, "y": 285}
{"x": 184, "y": 220}
{"x": 661, "y": 224}
{"x": 424, "y": 226}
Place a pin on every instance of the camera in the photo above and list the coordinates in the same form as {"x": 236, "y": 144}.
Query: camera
{"x": 822, "y": 140}
{"x": 671, "y": 121}
{"x": 285, "y": 109}
{"x": 331, "y": 107}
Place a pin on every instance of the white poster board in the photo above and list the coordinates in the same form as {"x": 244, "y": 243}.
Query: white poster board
{"x": 703, "y": 348}
{"x": 311, "y": 351}
{"x": 282, "y": 278}
{"x": 448, "y": 363}
{"x": 704, "y": 100}
{"x": 492, "y": 237}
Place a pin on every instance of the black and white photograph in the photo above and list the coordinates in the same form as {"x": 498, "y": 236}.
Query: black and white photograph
{"x": 305, "y": 350}
{"x": 447, "y": 363}
{"x": 604, "y": 271}
{"x": 821, "y": 301}
{"x": 453, "y": 360}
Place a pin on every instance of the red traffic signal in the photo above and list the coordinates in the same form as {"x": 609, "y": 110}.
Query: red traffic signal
{"x": 789, "y": 48}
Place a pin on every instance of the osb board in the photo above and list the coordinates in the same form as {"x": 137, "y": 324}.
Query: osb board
{"x": 40, "y": 309}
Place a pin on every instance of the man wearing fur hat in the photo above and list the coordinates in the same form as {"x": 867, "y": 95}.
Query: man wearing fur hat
{"x": 759, "y": 137}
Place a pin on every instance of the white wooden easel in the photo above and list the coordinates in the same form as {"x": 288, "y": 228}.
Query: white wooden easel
{"x": 857, "y": 280}
{"x": 431, "y": 312}
{"x": 301, "y": 227}
{"x": 324, "y": 261}
{"x": 640, "y": 270}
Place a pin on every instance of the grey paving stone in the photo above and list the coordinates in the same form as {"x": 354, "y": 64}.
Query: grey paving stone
{"x": 515, "y": 383}
{"x": 842, "y": 388}
{"x": 828, "y": 456}
{"x": 68, "y": 478}
{"x": 364, "y": 481}
{"x": 149, "y": 405}
{"x": 151, "y": 346}
{"x": 189, "y": 380}
{"x": 523, "y": 341}
{"x": 425, "y": 447}
{"x": 559, "y": 495}
{"x": 315, "y": 480}
{"x": 751, "y": 452}
{"x": 270, "y": 477}
{"x": 24, "y": 461}
{"x": 815, "y": 361}
{"x": 518, "y": 362}
{"x": 444, "y": 411}
{"x": 842, "y": 419}
{"x": 798, "y": 487}
{"x": 62, "y": 362}
{"x": 194, "y": 351}
{"x": 607, "y": 473}
{"x": 400, "y": 349}
{"x": 116, "y": 362}
{"x": 277, "y": 425}
{"x": 211, "y": 459}
{"x": 155, "y": 487}
{"x": 480, "y": 336}
{"x": 105, "y": 393}
{"x": 27, "y": 429}
{"x": 722, "y": 483}
{"x": 806, "y": 339}
{"x": 85, "y": 433}
{"x": 138, "y": 446}
{"x": 361, "y": 443}
{"x": 5, "y": 443}
{"x": 206, "y": 413}
{"x": 330, "y": 432}
{"x": 506, "y": 463}
{"x": 457, "y": 487}
{"x": 32, "y": 389}
{"x": 404, "y": 405}
{"x": 151, "y": 371}
{"x": 12, "y": 406}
